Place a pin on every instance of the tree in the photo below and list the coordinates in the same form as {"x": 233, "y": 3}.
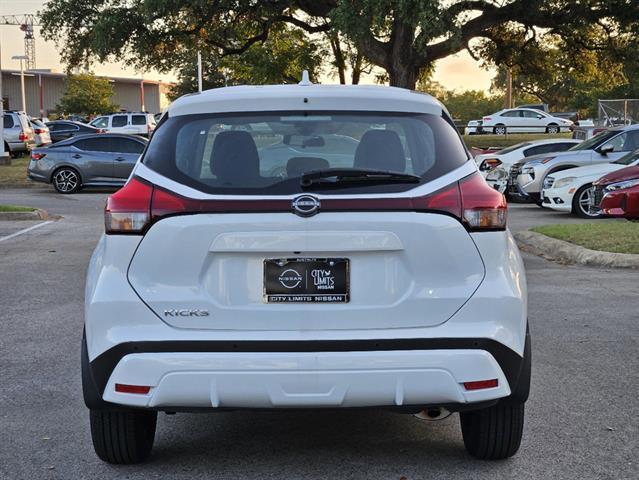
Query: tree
{"x": 281, "y": 58}
{"x": 571, "y": 74}
{"x": 403, "y": 37}
{"x": 86, "y": 94}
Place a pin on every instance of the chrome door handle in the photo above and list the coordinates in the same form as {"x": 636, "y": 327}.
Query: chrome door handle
{"x": 77, "y": 155}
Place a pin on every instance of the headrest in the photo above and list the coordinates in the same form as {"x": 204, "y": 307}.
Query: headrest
{"x": 380, "y": 150}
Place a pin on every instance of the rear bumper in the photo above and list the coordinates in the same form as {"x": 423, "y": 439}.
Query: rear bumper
{"x": 341, "y": 374}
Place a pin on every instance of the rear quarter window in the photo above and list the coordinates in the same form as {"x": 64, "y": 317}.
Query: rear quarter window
{"x": 138, "y": 120}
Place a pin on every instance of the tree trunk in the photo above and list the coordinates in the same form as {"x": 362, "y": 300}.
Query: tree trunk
{"x": 403, "y": 75}
{"x": 357, "y": 68}
{"x": 340, "y": 63}
{"x": 401, "y": 57}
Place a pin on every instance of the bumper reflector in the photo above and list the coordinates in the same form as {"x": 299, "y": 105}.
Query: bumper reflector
{"x": 139, "y": 389}
{"x": 481, "y": 384}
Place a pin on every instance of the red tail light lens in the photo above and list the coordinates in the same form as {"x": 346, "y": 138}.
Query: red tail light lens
{"x": 473, "y": 201}
{"x": 481, "y": 384}
{"x": 136, "y": 389}
{"x": 483, "y": 207}
{"x": 37, "y": 156}
{"x": 23, "y": 137}
{"x": 128, "y": 211}
{"x": 38, "y": 131}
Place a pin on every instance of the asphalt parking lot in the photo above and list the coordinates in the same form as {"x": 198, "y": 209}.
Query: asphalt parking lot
{"x": 582, "y": 418}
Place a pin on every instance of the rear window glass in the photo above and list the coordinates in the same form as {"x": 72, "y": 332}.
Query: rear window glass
{"x": 138, "y": 120}
{"x": 8, "y": 121}
{"x": 268, "y": 153}
{"x": 93, "y": 144}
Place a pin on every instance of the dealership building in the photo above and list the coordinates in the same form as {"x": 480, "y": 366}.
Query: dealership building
{"x": 44, "y": 88}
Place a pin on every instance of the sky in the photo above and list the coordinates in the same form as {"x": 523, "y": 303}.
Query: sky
{"x": 458, "y": 72}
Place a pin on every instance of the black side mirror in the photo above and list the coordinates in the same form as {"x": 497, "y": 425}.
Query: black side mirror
{"x": 606, "y": 149}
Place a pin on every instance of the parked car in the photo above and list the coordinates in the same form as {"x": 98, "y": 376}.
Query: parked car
{"x": 495, "y": 166}
{"x": 571, "y": 190}
{"x": 523, "y": 120}
{"x": 133, "y": 123}
{"x": 526, "y": 177}
{"x": 472, "y": 127}
{"x": 18, "y": 135}
{"x": 218, "y": 286}
{"x": 63, "y": 129}
{"x": 41, "y": 132}
{"x": 617, "y": 193}
{"x": 92, "y": 160}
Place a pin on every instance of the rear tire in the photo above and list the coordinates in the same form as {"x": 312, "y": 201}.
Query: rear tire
{"x": 493, "y": 433}
{"x": 66, "y": 180}
{"x": 499, "y": 129}
{"x": 123, "y": 437}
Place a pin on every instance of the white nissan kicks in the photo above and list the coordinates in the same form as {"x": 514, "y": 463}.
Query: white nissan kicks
{"x": 305, "y": 247}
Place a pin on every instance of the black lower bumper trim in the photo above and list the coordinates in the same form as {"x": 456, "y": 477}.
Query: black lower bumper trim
{"x": 101, "y": 368}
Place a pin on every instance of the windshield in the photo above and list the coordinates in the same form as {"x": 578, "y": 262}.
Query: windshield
{"x": 512, "y": 148}
{"x": 594, "y": 141}
{"x": 629, "y": 158}
{"x": 267, "y": 153}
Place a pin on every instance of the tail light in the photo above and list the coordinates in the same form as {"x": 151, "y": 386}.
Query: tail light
{"x": 37, "y": 156}
{"x": 23, "y": 137}
{"x": 149, "y": 128}
{"x": 101, "y": 130}
{"x": 38, "y": 131}
{"x": 128, "y": 211}
{"x": 473, "y": 201}
{"x": 489, "y": 164}
{"x": 485, "y": 119}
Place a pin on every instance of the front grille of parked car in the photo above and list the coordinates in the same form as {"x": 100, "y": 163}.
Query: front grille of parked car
{"x": 596, "y": 197}
{"x": 513, "y": 173}
{"x": 548, "y": 182}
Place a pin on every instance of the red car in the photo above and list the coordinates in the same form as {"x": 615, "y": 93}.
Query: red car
{"x": 617, "y": 194}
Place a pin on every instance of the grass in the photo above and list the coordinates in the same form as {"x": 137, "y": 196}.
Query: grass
{"x": 617, "y": 237}
{"x": 508, "y": 140}
{"x": 15, "y": 208}
{"x": 16, "y": 173}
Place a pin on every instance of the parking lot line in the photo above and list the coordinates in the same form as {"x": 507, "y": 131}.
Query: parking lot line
{"x": 20, "y": 232}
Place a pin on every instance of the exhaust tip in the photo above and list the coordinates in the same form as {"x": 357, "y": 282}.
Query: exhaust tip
{"x": 433, "y": 414}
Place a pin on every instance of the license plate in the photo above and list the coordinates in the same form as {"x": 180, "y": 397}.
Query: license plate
{"x": 306, "y": 280}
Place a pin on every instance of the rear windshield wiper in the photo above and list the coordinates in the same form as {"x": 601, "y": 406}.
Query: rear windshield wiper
{"x": 355, "y": 175}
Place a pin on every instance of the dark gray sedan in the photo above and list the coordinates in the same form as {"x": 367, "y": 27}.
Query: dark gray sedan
{"x": 95, "y": 160}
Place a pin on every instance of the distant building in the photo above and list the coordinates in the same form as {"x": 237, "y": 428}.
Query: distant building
{"x": 44, "y": 88}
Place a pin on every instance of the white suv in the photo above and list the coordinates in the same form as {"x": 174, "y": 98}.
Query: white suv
{"x": 375, "y": 272}
{"x": 133, "y": 123}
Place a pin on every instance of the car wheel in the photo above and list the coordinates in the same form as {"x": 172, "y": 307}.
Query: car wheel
{"x": 66, "y": 180}
{"x": 581, "y": 203}
{"x": 493, "y": 433}
{"x": 552, "y": 128}
{"x": 499, "y": 130}
{"x": 123, "y": 437}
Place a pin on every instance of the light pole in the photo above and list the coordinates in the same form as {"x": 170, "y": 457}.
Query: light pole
{"x": 22, "y": 58}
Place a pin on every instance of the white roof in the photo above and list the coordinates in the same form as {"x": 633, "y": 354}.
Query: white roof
{"x": 305, "y": 98}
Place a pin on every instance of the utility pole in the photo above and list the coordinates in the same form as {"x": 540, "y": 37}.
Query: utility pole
{"x": 508, "y": 101}
{"x": 199, "y": 71}
{"x": 5, "y": 159}
{"x": 22, "y": 58}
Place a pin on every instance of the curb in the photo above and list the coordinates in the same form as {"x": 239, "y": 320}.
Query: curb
{"x": 34, "y": 215}
{"x": 565, "y": 252}
{"x": 18, "y": 186}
